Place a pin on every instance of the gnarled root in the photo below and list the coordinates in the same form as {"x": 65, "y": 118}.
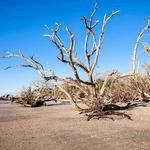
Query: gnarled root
{"x": 107, "y": 111}
{"x": 107, "y": 114}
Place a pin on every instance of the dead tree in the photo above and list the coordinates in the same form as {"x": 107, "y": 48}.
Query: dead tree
{"x": 69, "y": 57}
{"x": 97, "y": 107}
{"x": 134, "y": 66}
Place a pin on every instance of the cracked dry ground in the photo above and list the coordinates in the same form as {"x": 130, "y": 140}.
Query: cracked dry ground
{"x": 59, "y": 127}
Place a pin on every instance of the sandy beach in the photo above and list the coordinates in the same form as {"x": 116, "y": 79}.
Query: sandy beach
{"x": 59, "y": 127}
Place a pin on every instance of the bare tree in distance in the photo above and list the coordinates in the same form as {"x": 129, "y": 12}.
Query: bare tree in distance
{"x": 141, "y": 34}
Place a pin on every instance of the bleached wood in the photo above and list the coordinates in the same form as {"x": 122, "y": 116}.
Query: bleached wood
{"x": 134, "y": 65}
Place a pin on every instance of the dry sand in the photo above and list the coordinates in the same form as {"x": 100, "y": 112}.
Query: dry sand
{"x": 61, "y": 128}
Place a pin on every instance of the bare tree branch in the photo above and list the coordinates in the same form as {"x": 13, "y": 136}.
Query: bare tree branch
{"x": 134, "y": 66}
{"x": 98, "y": 46}
{"x": 38, "y": 67}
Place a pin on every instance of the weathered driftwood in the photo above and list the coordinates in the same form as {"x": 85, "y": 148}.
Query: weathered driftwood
{"x": 7, "y": 97}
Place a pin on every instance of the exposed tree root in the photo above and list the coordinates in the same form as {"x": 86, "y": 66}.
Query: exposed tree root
{"x": 106, "y": 114}
{"x": 107, "y": 111}
{"x": 111, "y": 110}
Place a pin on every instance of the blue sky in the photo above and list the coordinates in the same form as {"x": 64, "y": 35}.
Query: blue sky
{"x": 22, "y": 28}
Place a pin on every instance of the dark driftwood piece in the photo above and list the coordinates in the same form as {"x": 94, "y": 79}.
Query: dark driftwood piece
{"x": 110, "y": 110}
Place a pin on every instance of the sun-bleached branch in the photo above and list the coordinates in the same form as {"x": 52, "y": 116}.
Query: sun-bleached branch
{"x": 141, "y": 34}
